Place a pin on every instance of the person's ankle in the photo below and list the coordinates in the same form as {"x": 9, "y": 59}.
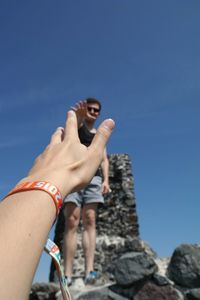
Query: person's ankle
{"x": 68, "y": 280}
{"x": 90, "y": 277}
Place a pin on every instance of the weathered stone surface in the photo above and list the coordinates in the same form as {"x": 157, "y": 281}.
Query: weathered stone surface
{"x": 184, "y": 266}
{"x": 127, "y": 292}
{"x": 160, "y": 280}
{"x": 44, "y": 291}
{"x": 101, "y": 294}
{"x": 147, "y": 249}
{"x": 133, "y": 267}
{"x": 150, "y": 291}
{"x": 193, "y": 294}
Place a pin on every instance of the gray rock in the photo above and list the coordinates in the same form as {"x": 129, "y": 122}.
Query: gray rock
{"x": 160, "y": 280}
{"x": 193, "y": 294}
{"x": 133, "y": 267}
{"x": 150, "y": 291}
{"x": 44, "y": 291}
{"x": 101, "y": 294}
{"x": 184, "y": 266}
{"x": 127, "y": 292}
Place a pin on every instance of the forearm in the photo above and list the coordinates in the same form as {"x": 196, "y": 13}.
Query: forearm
{"x": 26, "y": 219}
{"x": 105, "y": 170}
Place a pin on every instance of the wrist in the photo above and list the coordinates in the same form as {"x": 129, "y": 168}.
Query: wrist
{"x": 54, "y": 179}
{"x": 43, "y": 186}
{"x": 106, "y": 181}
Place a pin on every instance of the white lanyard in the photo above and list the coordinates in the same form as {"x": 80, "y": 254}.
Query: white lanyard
{"x": 52, "y": 249}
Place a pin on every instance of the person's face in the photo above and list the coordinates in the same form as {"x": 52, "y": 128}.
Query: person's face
{"x": 93, "y": 110}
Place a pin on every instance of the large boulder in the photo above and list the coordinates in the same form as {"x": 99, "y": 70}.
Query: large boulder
{"x": 184, "y": 266}
{"x": 133, "y": 267}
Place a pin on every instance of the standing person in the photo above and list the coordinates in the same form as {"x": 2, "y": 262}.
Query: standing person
{"x": 85, "y": 201}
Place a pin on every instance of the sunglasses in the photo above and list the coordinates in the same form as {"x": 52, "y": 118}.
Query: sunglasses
{"x": 90, "y": 109}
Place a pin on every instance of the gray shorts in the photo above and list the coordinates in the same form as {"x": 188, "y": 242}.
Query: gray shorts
{"x": 90, "y": 194}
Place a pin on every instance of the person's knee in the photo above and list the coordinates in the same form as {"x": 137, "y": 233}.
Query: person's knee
{"x": 72, "y": 218}
{"x": 89, "y": 219}
{"x": 72, "y": 222}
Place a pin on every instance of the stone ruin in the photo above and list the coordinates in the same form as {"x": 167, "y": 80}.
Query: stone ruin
{"x": 117, "y": 220}
{"x": 130, "y": 269}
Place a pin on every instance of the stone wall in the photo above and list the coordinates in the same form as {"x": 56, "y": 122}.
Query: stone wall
{"x": 117, "y": 220}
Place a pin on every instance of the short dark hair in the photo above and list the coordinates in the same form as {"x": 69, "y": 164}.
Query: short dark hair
{"x": 93, "y": 100}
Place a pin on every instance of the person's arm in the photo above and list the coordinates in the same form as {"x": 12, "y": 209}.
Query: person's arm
{"x": 105, "y": 171}
{"x": 26, "y": 217}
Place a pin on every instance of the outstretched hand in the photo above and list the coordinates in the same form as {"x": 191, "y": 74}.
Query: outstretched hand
{"x": 66, "y": 162}
{"x": 80, "y": 109}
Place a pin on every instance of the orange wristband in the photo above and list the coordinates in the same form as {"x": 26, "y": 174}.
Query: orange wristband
{"x": 47, "y": 187}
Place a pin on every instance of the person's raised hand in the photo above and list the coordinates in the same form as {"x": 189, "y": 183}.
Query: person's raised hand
{"x": 66, "y": 162}
{"x": 80, "y": 109}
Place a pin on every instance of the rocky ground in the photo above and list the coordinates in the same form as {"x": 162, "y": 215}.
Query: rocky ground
{"x": 138, "y": 276}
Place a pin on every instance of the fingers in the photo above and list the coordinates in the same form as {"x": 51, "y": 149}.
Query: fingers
{"x": 79, "y": 105}
{"x": 102, "y": 135}
{"x": 103, "y": 190}
{"x": 73, "y": 108}
{"x": 71, "y": 126}
{"x": 56, "y": 137}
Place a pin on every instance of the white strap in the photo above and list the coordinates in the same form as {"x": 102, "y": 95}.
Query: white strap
{"x": 52, "y": 249}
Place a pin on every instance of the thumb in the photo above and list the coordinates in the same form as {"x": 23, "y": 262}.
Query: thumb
{"x": 102, "y": 135}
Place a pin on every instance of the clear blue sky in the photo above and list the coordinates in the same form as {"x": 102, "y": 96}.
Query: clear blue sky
{"x": 142, "y": 60}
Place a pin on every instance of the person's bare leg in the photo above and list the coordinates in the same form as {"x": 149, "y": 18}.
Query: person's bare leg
{"x": 72, "y": 217}
{"x": 89, "y": 235}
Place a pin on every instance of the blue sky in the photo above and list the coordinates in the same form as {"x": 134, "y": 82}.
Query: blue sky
{"x": 142, "y": 60}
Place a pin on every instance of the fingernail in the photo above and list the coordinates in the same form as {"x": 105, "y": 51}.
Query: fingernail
{"x": 71, "y": 112}
{"x": 109, "y": 123}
